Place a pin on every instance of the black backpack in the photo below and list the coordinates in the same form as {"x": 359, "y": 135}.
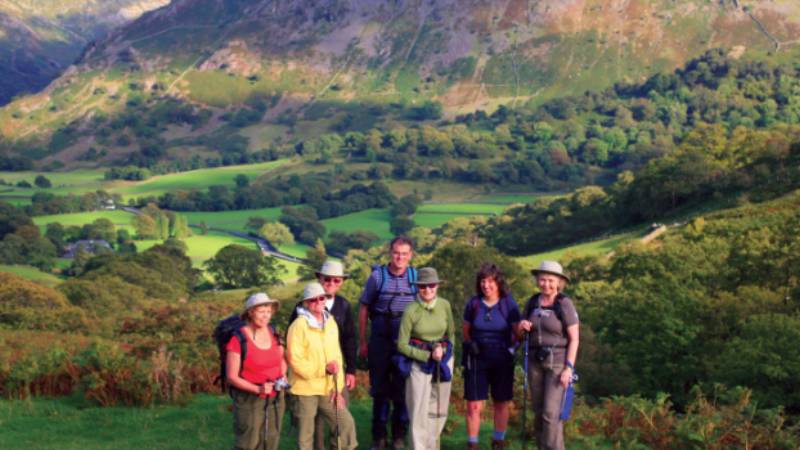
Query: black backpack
{"x": 226, "y": 329}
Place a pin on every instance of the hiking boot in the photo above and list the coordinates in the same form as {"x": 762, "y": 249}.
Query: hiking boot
{"x": 379, "y": 444}
{"x": 399, "y": 443}
{"x": 472, "y": 446}
{"x": 498, "y": 445}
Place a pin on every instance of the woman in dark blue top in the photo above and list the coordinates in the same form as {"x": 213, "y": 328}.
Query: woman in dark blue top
{"x": 490, "y": 321}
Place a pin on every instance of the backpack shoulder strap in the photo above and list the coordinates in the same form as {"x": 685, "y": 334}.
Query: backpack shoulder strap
{"x": 504, "y": 300}
{"x": 532, "y": 304}
{"x": 242, "y": 344}
{"x": 474, "y": 307}
{"x": 412, "y": 279}
{"x": 384, "y": 277}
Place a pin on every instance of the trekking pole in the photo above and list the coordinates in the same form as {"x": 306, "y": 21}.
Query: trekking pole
{"x": 336, "y": 408}
{"x": 438, "y": 376}
{"x": 266, "y": 420}
{"x": 525, "y": 391}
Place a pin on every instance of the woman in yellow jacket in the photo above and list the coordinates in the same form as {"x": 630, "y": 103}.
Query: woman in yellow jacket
{"x": 316, "y": 377}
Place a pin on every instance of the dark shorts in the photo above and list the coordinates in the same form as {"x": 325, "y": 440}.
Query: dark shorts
{"x": 494, "y": 371}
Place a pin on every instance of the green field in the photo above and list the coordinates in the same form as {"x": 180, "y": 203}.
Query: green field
{"x": 120, "y": 219}
{"x": 76, "y": 182}
{"x": 434, "y": 215}
{"x": 202, "y": 248}
{"x": 205, "y": 423}
{"x": 374, "y": 220}
{"x": 231, "y": 220}
{"x": 33, "y": 274}
{"x": 194, "y": 179}
{"x": 594, "y": 248}
{"x": 297, "y": 250}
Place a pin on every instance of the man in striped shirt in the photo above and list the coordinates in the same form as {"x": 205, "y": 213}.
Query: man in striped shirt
{"x": 388, "y": 291}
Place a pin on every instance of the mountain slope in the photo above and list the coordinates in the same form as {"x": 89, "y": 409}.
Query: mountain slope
{"x": 304, "y": 63}
{"x": 39, "y": 39}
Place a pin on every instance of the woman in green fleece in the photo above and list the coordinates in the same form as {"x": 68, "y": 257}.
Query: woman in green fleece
{"x": 426, "y": 334}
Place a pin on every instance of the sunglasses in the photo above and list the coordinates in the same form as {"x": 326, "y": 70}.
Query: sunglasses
{"x": 321, "y": 298}
{"x": 428, "y": 286}
{"x": 334, "y": 280}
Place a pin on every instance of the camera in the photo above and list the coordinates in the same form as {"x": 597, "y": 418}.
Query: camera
{"x": 281, "y": 384}
{"x": 542, "y": 353}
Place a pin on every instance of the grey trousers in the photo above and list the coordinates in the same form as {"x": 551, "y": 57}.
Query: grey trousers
{"x": 546, "y": 393}
{"x": 427, "y": 404}
{"x": 308, "y": 407}
{"x": 249, "y": 421}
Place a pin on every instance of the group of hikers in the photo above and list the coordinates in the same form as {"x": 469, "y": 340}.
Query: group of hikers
{"x": 409, "y": 353}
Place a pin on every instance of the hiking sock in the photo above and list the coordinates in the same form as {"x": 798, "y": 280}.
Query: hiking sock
{"x": 499, "y": 435}
{"x": 472, "y": 440}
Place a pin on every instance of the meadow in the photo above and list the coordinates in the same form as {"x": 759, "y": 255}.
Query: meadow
{"x": 231, "y": 220}
{"x": 204, "y": 423}
{"x": 592, "y": 248}
{"x": 374, "y": 220}
{"x": 202, "y": 247}
{"x": 32, "y": 273}
{"x": 120, "y": 219}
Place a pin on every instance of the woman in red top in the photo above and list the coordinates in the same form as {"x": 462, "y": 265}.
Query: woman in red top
{"x": 257, "y": 407}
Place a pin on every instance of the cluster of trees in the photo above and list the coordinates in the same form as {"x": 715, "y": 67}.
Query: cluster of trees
{"x": 710, "y": 164}
{"x": 717, "y": 301}
{"x": 154, "y": 223}
{"x": 45, "y": 203}
{"x": 236, "y": 266}
{"x": 21, "y": 242}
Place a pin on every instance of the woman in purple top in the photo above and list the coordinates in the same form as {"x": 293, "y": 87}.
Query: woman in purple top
{"x": 491, "y": 318}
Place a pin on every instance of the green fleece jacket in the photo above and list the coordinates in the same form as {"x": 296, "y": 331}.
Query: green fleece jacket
{"x": 426, "y": 324}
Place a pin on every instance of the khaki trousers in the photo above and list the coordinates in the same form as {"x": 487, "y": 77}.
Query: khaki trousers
{"x": 308, "y": 407}
{"x": 249, "y": 418}
{"x": 319, "y": 429}
{"x": 547, "y": 393}
{"x": 423, "y": 396}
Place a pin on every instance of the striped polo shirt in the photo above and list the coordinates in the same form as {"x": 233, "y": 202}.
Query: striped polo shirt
{"x": 397, "y": 293}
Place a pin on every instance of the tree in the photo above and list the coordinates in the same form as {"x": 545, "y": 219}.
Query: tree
{"x": 145, "y": 227}
{"x": 236, "y": 266}
{"x": 276, "y": 233}
{"x": 315, "y": 257}
{"x": 42, "y": 182}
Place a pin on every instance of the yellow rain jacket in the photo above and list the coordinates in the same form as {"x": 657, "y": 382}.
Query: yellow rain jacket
{"x": 310, "y": 346}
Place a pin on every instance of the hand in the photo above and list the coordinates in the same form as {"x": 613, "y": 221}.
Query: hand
{"x": 265, "y": 389}
{"x": 338, "y": 400}
{"x": 332, "y": 367}
{"x": 437, "y": 353}
{"x": 362, "y": 350}
{"x": 566, "y": 377}
{"x": 525, "y": 325}
{"x": 350, "y": 381}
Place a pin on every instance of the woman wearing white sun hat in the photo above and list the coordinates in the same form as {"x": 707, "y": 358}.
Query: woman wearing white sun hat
{"x": 552, "y": 321}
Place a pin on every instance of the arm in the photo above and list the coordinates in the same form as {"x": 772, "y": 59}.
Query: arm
{"x": 451, "y": 325}
{"x": 465, "y": 331}
{"x": 572, "y": 354}
{"x": 301, "y": 367}
{"x": 363, "y": 317}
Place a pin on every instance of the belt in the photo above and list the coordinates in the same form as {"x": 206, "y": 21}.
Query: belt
{"x": 389, "y": 314}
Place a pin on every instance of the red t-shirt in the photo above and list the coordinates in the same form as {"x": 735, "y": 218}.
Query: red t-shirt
{"x": 260, "y": 365}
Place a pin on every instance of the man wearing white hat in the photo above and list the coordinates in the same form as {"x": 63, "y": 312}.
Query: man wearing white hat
{"x": 331, "y": 276}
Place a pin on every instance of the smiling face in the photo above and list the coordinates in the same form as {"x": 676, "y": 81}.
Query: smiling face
{"x": 331, "y": 284}
{"x": 260, "y": 315}
{"x": 549, "y": 285}
{"x": 427, "y": 292}
{"x": 401, "y": 256}
{"x": 316, "y": 305}
{"x": 490, "y": 289}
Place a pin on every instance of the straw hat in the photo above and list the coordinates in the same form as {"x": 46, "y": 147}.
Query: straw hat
{"x": 552, "y": 268}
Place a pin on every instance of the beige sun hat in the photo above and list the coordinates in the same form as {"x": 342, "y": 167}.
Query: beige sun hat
{"x": 313, "y": 290}
{"x": 332, "y": 268}
{"x": 552, "y": 268}
{"x": 258, "y": 299}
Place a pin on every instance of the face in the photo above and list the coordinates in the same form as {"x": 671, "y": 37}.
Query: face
{"x": 401, "y": 256}
{"x": 316, "y": 305}
{"x": 489, "y": 288}
{"x": 427, "y": 292}
{"x": 331, "y": 284}
{"x": 548, "y": 284}
{"x": 261, "y": 315}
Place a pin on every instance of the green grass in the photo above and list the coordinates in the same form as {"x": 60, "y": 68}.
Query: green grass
{"x": 204, "y": 423}
{"x": 297, "y": 250}
{"x": 202, "y": 247}
{"x": 120, "y": 219}
{"x": 374, "y": 220}
{"x": 594, "y": 248}
{"x": 231, "y": 220}
{"x": 33, "y": 274}
{"x": 74, "y": 182}
{"x": 195, "y": 179}
{"x": 434, "y": 215}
